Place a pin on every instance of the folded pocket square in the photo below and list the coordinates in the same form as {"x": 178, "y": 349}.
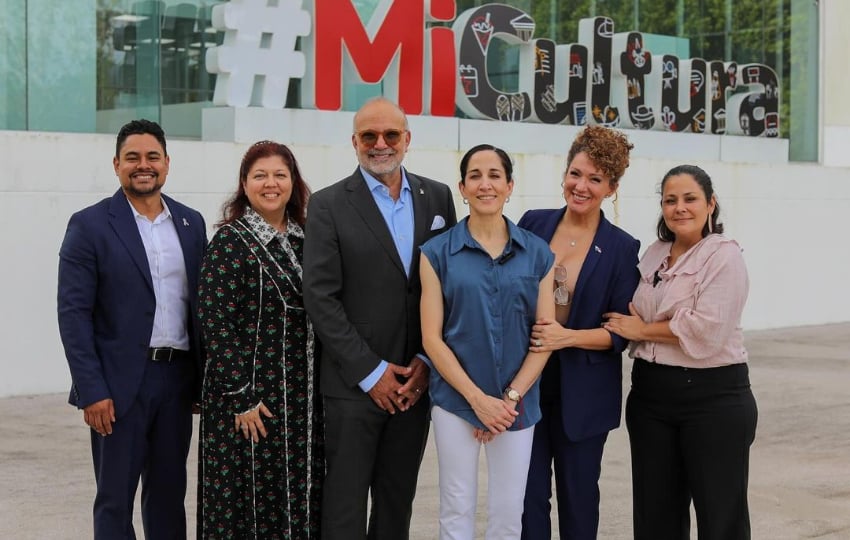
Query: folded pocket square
{"x": 438, "y": 223}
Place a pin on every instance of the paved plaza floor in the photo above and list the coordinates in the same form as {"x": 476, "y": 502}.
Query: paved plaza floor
{"x": 800, "y": 462}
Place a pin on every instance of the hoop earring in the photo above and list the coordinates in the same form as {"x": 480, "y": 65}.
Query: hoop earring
{"x": 507, "y": 200}
{"x": 616, "y": 206}
{"x": 465, "y": 201}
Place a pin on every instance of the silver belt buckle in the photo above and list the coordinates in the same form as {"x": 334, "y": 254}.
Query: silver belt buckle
{"x": 166, "y": 358}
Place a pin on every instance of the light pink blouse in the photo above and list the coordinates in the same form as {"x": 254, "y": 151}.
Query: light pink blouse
{"x": 702, "y": 296}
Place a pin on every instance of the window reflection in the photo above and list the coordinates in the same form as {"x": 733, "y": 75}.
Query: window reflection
{"x": 153, "y": 55}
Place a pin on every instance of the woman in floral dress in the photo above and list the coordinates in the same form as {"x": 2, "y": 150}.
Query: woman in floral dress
{"x": 261, "y": 443}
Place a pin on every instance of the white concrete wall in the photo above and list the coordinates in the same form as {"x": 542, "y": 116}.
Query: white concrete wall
{"x": 790, "y": 218}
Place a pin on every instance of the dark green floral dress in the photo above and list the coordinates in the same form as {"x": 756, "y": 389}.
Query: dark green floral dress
{"x": 260, "y": 347}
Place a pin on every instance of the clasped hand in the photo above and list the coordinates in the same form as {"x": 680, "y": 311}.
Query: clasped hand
{"x": 497, "y": 414}
{"x": 391, "y": 395}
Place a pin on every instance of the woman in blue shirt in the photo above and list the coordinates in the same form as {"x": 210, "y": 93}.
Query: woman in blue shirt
{"x": 484, "y": 283}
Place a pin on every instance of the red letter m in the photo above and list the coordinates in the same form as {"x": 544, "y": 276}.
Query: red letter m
{"x": 396, "y": 50}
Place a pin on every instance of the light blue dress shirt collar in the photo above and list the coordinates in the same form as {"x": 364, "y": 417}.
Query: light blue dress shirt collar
{"x": 398, "y": 215}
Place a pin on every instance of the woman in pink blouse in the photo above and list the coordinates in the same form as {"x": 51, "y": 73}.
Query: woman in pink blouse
{"x": 691, "y": 414}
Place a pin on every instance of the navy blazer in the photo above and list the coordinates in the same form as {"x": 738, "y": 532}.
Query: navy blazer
{"x": 106, "y": 299}
{"x": 591, "y": 391}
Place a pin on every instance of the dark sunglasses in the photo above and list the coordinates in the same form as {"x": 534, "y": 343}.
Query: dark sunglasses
{"x": 370, "y": 138}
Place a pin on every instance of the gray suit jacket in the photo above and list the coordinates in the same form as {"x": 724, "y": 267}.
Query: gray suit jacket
{"x": 363, "y": 306}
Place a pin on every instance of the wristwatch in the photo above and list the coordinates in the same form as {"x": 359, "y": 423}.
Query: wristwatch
{"x": 512, "y": 394}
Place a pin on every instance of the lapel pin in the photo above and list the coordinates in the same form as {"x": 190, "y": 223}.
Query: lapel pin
{"x": 598, "y": 249}
{"x": 421, "y": 191}
{"x": 185, "y": 222}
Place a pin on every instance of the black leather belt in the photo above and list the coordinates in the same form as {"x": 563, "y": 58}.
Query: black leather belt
{"x": 166, "y": 354}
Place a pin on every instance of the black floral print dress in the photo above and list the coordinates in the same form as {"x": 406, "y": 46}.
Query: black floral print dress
{"x": 260, "y": 348}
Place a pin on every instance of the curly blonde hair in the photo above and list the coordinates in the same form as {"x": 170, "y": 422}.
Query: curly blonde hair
{"x": 608, "y": 149}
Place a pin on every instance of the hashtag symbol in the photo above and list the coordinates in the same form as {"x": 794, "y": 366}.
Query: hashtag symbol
{"x": 258, "y": 56}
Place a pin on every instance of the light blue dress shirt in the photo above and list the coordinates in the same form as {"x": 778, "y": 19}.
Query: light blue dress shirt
{"x": 398, "y": 215}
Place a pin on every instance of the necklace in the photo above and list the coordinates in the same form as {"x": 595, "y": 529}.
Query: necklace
{"x": 579, "y": 234}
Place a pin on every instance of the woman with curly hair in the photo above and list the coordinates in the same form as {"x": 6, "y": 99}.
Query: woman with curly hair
{"x": 581, "y": 386}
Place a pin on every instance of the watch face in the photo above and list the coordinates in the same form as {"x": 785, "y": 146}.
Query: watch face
{"x": 513, "y": 395}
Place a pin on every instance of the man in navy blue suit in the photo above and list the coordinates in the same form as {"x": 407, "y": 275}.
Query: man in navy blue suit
{"x": 128, "y": 281}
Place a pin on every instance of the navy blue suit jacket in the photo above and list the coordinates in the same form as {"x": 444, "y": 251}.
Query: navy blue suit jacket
{"x": 591, "y": 392}
{"x": 106, "y": 300}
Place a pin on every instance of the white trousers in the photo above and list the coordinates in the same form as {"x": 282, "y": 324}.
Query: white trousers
{"x": 508, "y": 456}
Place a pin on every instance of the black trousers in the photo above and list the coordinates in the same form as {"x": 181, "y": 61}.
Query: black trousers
{"x": 371, "y": 452}
{"x": 690, "y": 432}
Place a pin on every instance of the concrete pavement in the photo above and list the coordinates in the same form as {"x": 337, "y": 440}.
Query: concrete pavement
{"x": 800, "y": 463}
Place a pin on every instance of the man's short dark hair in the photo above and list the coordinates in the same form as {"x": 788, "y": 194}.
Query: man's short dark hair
{"x": 140, "y": 127}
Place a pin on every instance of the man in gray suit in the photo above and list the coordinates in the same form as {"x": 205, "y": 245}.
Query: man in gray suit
{"x": 361, "y": 289}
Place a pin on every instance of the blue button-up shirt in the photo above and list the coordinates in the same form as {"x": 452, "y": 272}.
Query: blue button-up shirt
{"x": 398, "y": 215}
{"x": 489, "y": 308}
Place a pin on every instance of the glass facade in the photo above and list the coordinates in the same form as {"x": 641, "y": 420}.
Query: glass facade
{"x": 151, "y": 61}
{"x": 91, "y": 65}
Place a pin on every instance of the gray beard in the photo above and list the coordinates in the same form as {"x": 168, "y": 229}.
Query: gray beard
{"x": 380, "y": 170}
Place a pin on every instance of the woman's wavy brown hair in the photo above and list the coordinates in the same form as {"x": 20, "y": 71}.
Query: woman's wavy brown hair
{"x": 296, "y": 209}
